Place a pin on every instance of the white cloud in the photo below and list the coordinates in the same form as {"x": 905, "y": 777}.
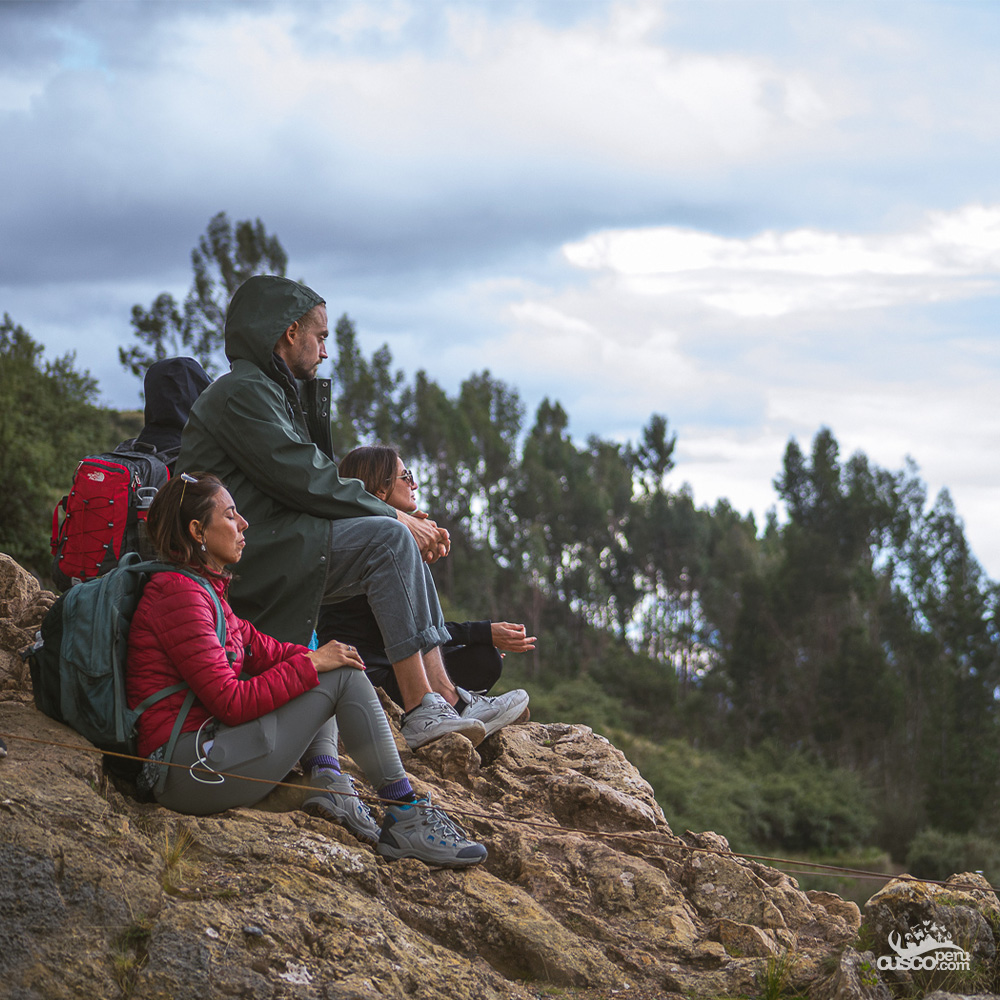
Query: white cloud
{"x": 537, "y": 314}
{"x": 951, "y": 255}
{"x": 17, "y": 91}
{"x": 607, "y": 88}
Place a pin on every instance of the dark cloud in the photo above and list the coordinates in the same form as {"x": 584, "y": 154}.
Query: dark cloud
{"x": 29, "y": 30}
{"x": 62, "y": 243}
{"x": 125, "y": 33}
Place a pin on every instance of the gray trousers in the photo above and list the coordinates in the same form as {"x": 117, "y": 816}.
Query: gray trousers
{"x": 378, "y": 557}
{"x": 268, "y": 747}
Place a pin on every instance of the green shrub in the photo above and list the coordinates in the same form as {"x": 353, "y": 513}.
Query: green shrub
{"x": 804, "y": 805}
{"x": 574, "y": 701}
{"x": 936, "y": 855}
{"x": 697, "y": 789}
{"x": 646, "y": 688}
{"x": 762, "y": 801}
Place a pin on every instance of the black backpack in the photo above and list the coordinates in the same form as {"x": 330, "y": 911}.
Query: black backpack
{"x": 78, "y": 663}
{"x": 105, "y": 511}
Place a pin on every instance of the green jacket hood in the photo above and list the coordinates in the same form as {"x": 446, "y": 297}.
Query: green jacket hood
{"x": 260, "y": 311}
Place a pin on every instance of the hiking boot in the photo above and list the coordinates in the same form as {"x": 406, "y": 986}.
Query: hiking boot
{"x": 434, "y": 718}
{"x": 339, "y": 803}
{"x": 494, "y": 713}
{"x": 420, "y": 830}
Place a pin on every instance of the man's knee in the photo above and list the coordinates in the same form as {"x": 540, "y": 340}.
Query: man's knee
{"x": 378, "y": 530}
{"x": 398, "y": 533}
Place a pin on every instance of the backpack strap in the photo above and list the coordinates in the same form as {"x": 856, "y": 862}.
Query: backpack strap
{"x": 220, "y": 631}
{"x": 160, "y": 695}
{"x": 161, "y": 778}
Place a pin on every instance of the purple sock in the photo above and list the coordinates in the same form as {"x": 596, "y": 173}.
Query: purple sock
{"x": 324, "y": 761}
{"x": 398, "y": 791}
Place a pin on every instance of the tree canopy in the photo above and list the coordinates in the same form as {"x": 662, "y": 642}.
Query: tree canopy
{"x": 225, "y": 256}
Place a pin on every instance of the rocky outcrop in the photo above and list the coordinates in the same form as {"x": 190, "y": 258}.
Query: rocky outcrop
{"x": 23, "y": 605}
{"x": 587, "y": 891}
{"x": 936, "y": 937}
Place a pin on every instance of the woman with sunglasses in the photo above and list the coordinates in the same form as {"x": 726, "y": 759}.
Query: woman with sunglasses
{"x": 259, "y": 705}
{"x": 474, "y": 657}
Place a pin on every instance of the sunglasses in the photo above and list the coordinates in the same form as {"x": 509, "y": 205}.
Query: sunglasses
{"x": 407, "y": 478}
{"x": 185, "y": 478}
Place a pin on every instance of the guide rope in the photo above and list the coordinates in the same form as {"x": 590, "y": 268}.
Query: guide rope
{"x": 785, "y": 865}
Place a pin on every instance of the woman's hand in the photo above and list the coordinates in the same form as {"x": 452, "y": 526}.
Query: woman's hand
{"x": 334, "y": 655}
{"x": 511, "y": 638}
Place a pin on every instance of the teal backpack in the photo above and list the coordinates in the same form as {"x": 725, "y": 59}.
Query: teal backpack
{"x": 78, "y": 663}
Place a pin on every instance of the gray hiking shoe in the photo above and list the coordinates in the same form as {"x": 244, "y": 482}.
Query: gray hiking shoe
{"x": 420, "y": 830}
{"x": 434, "y": 718}
{"x": 339, "y": 803}
{"x": 495, "y": 713}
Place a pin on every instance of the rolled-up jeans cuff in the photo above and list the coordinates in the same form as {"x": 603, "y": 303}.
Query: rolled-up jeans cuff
{"x": 422, "y": 642}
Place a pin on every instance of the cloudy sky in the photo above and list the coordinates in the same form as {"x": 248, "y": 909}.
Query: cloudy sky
{"x": 757, "y": 218}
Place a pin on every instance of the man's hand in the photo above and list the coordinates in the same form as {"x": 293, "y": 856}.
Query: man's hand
{"x": 433, "y": 541}
{"x": 512, "y": 638}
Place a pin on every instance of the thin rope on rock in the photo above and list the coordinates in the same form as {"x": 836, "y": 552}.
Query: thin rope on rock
{"x": 654, "y": 836}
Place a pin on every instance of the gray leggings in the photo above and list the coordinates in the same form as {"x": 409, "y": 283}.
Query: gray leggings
{"x": 268, "y": 747}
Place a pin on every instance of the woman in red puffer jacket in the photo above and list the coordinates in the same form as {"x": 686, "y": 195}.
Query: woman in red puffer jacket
{"x": 259, "y": 705}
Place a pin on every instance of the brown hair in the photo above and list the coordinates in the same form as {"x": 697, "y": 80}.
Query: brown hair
{"x": 174, "y": 507}
{"x": 374, "y": 464}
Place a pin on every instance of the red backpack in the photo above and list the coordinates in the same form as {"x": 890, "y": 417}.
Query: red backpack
{"x": 105, "y": 511}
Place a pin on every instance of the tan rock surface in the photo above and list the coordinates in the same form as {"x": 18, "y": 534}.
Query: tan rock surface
{"x": 22, "y": 607}
{"x": 586, "y": 893}
{"x": 966, "y": 916}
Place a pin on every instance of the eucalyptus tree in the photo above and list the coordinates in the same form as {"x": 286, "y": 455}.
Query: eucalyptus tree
{"x": 494, "y": 415}
{"x": 808, "y": 658}
{"x": 613, "y": 582}
{"x": 366, "y": 401}
{"x": 553, "y": 513}
{"x": 669, "y": 548}
{"x": 956, "y": 616}
{"x": 652, "y": 457}
{"x": 224, "y": 257}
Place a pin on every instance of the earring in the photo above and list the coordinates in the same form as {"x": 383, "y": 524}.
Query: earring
{"x": 203, "y": 549}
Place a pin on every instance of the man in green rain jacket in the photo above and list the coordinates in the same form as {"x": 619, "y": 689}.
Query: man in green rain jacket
{"x": 264, "y": 429}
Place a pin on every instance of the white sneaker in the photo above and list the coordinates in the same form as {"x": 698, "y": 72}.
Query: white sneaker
{"x": 495, "y": 713}
{"x": 434, "y": 718}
